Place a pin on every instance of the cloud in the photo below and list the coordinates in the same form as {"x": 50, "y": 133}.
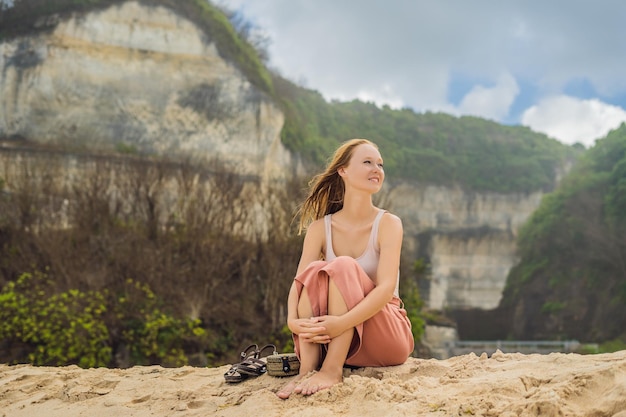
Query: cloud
{"x": 381, "y": 96}
{"x": 572, "y": 120}
{"x": 508, "y": 55}
{"x": 490, "y": 102}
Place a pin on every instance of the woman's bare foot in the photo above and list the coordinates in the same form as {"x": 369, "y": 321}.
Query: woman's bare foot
{"x": 319, "y": 381}
{"x": 286, "y": 391}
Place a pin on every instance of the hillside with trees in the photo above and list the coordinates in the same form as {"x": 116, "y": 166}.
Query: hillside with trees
{"x": 571, "y": 280}
{"x": 433, "y": 148}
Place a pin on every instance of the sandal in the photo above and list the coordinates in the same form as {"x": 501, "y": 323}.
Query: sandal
{"x": 234, "y": 375}
{"x": 257, "y": 365}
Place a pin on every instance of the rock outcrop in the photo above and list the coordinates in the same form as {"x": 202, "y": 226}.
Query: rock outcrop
{"x": 467, "y": 238}
{"x": 142, "y": 78}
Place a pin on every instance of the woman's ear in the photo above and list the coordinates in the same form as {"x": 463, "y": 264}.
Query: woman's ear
{"x": 341, "y": 171}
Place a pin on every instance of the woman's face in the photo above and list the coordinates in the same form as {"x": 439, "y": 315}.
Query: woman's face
{"x": 365, "y": 169}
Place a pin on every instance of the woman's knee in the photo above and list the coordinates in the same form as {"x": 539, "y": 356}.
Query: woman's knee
{"x": 346, "y": 266}
{"x": 314, "y": 267}
{"x": 345, "y": 269}
{"x": 310, "y": 271}
{"x": 317, "y": 264}
{"x": 345, "y": 262}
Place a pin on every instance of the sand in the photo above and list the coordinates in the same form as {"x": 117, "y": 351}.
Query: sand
{"x": 509, "y": 384}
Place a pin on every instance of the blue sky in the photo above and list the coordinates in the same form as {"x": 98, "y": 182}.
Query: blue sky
{"x": 557, "y": 67}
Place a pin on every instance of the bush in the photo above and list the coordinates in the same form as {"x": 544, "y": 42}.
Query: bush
{"x": 614, "y": 345}
{"x": 413, "y": 302}
{"x": 152, "y": 335}
{"x": 42, "y": 327}
{"x": 56, "y": 329}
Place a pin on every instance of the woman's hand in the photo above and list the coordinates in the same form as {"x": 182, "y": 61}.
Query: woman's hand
{"x": 309, "y": 330}
{"x": 320, "y": 329}
{"x": 333, "y": 325}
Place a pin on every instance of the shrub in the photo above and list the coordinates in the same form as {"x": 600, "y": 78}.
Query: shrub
{"x": 63, "y": 328}
{"x": 42, "y": 327}
{"x": 152, "y": 335}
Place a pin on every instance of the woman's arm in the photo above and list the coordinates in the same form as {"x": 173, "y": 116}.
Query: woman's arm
{"x": 311, "y": 250}
{"x": 390, "y": 243}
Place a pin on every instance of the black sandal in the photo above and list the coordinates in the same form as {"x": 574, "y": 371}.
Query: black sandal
{"x": 257, "y": 364}
{"x": 234, "y": 375}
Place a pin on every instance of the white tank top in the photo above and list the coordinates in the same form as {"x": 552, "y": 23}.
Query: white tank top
{"x": 370, "y": 258}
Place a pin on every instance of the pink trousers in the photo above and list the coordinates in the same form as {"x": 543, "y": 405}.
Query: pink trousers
{"x": 385, "y": 339}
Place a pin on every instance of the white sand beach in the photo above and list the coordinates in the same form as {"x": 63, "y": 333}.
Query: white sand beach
{"x": 501, "y": 385}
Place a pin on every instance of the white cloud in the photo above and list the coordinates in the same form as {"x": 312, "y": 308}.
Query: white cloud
{"x": 384, "y": 95}
{"x": 572, "y": 120}
{"x": 427, "y": 52}
{"x": 491, "y": 102}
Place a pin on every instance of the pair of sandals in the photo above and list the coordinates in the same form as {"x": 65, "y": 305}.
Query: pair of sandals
{"x": 253, "y": 363}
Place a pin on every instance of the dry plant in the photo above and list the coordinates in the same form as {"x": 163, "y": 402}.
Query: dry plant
{"x": 209, "y": 243}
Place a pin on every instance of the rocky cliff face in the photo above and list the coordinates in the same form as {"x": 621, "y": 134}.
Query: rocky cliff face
{"x": 140, "y": 77}
{"x": 468, "y": 238}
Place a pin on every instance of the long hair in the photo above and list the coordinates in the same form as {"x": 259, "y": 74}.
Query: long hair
{"x": 326, "y": 190}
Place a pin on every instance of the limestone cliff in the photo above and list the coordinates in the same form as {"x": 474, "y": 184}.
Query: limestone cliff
{"x": 137, "y": 77}
{"x": 142, "y": 77}
{"x": 467, "y": 237}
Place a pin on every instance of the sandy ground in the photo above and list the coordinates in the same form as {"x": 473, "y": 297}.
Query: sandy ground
{"x": 501, "y": 385}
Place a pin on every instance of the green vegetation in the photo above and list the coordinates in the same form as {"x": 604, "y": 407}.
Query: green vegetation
{"x": 614, "y": 345}
{"x": 432, "y": 148}
{"x": 572, "y": 276}
{"x": 67, "y": 327}
{"x": 414, "y": 308}
{"x": 150, "y": 333}
{"x": 413, "y": 302}
{"x": 44, "y": 326}
{"x": 126, "y": 149}
{"x": 552, "y": 306}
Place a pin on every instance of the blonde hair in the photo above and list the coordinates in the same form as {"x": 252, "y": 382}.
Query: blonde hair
{"x": 326, "y": 190}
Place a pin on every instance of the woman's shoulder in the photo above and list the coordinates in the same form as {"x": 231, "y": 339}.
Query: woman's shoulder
{"x": 390, "y": 222}
{"x": 316, "y": 227}
{"x": 390, "y": 218}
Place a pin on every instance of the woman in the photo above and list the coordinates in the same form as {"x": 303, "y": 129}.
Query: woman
{"x": 345, "y": 309}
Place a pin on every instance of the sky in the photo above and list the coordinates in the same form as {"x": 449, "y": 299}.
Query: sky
{"x": 558, "y": 67}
